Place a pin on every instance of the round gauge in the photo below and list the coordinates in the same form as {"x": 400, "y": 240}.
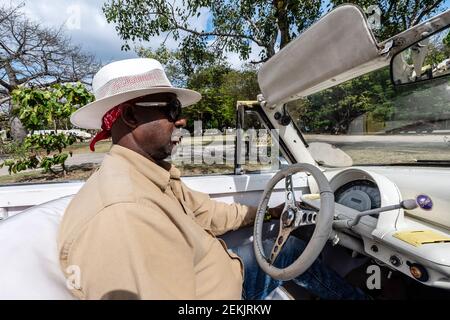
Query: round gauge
{"x": 360, "y": 195}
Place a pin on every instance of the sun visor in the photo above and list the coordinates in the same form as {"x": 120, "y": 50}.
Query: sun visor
{"x": 335, "y": 44}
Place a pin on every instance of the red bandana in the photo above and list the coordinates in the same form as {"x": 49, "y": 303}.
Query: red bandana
{"x": 108, "y": 120}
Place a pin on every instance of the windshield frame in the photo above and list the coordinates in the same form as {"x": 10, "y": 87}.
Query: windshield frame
{"x": 391, "y": 64}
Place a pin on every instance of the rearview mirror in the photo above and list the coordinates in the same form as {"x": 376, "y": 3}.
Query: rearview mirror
{"x": 425, "y": 60}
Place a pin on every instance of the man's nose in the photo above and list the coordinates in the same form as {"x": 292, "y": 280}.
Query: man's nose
{"x": 180, "y": 123}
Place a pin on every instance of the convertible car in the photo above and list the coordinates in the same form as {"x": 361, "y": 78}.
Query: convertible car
{"x": 371, "y": 202}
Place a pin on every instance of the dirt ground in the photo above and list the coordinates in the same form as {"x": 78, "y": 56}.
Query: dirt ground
{"x": 82, "y": 172}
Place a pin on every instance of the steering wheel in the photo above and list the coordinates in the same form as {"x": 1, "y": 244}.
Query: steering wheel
{"x": 291, "y": 218}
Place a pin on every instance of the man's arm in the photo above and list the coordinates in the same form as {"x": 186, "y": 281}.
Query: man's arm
{"x": 133, "y": 250}
{"x": 221, "y": 217}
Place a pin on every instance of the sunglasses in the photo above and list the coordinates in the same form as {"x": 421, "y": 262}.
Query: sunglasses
{"x": 171, "y": 109}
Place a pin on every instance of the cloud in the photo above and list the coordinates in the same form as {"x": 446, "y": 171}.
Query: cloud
{"x": 84, "y": 22}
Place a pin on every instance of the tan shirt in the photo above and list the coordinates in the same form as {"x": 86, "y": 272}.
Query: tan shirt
{"x": 135, "y": 226}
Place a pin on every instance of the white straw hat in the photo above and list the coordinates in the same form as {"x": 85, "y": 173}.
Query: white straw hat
{"x": 125, "y": 80}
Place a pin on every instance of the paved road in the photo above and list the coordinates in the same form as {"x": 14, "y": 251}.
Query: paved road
{"x": 414, "y": 140}
{"x": 92, "y": 157}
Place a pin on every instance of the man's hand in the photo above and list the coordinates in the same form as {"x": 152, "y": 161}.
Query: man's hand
{"x": 276, "y": 212}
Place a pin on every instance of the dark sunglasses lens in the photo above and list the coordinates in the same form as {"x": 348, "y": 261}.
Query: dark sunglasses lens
{"x": 175, "y": 110}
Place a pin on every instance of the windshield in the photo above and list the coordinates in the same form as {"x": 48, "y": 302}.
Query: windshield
{"x": 375, "y": 124}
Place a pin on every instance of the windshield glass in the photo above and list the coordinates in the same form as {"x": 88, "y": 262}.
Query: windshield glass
{"x": 375, "y": 124}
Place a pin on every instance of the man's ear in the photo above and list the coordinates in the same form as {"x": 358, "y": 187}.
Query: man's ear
{"x": 128, "y": 116}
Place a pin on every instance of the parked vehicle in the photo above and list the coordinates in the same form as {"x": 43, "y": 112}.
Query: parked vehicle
{"x": 81, "y": 134}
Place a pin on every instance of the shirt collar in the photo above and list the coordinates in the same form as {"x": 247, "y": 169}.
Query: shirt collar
{"x": 160, "y": 174}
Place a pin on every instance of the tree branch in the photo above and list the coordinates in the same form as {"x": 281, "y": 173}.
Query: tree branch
{"x": 177, "y": 25}
{"x": 3, "y": 100}
{"x": 426, "y": 11}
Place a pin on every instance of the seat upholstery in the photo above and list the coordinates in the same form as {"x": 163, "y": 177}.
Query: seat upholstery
{"x": 29, "y": 264}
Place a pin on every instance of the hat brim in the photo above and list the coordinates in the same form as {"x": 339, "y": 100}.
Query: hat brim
{"x": 90, "y": 116}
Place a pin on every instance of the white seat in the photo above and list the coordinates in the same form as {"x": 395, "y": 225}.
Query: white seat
{"x": 29, "y": 264}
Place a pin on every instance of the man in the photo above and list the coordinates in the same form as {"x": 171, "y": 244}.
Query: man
{"x": 135, "y": 230}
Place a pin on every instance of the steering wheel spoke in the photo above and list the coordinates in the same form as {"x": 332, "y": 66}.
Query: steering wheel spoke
{"x": 289, "y": 193}
{"x": 305, "y": 218}
{"x": 281, "y": 239}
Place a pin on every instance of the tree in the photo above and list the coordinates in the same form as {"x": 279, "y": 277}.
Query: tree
{"x": 37, "y": 57}
{"x": 176, "y": 67}
{"x": 235, "y": 25}
{"x": 238, "y": 25}
{"x": 332, "y": 110}
{"x": 221, "y": 87}
{"x": 215, "y": 109}
{"x": 397, "y": 15}
{"x": 41, "y": 109}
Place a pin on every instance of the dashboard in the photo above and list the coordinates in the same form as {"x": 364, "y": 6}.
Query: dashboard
{"x": 360, "y": 195}
{"x": 392, "y": 237}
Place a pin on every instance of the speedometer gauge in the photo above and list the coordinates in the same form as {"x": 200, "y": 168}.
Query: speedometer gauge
{"x": 360, "y": 195}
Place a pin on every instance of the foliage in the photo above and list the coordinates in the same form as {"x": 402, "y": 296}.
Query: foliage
{"x": 50, "y": 108}
{"x": 332, "y": 110}
{"x": 397, "y": 15}
{"x": 446, "y": 41}
{"x": 175, "y": 67}
{"x": 42, "y": 110}
{"x": 34, "y": 55}
{"x": 235, "y": 26}
{"x": 239, "y": 26}
{"x": 382, "y": 109}
{"x": 221, "y": 87}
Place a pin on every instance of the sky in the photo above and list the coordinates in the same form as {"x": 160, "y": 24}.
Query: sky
{"x": 82, "y": 20}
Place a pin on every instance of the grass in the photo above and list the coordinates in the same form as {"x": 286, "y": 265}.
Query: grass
{"x": 85, "y": 171}
{"x": 83, "y": 147}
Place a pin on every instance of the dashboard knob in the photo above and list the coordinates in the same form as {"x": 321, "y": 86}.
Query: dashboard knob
{"x": 395, "y": 261}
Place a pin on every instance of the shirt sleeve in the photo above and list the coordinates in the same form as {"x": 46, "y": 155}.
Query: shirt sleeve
{"x": 131, "y": 250}
{"x": 217, "y": 216}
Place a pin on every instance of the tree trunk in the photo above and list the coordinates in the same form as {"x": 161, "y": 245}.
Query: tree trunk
{"x": 18, "y": 131}
{"x": 282, "y": 20}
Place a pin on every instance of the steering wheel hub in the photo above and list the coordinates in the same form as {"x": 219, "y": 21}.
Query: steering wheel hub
{"x": 288, "y": 217}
